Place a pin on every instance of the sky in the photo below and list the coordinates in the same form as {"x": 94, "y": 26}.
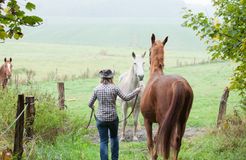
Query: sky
{"x": 115, "y": 8}
{"x": 198, "y": 2}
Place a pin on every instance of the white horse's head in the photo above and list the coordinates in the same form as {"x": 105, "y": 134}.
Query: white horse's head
{"x": 138, "y": 64}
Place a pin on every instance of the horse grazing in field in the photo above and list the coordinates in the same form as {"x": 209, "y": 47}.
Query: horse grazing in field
{"x": 129, "y": 81}
{"x": 167, "y": 100}
{"x": 5, "y": 72}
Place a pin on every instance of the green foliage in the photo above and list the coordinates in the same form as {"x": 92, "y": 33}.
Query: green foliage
{"x": 225, "y": 143}
{"x": 13, "y": 17}
{"x": 30, "y": 6}
{"x": 49, "y": 120}
{"x": 225, "y": 35}
{"x": 76, "y": 141}
{"x": 8, "y": 105}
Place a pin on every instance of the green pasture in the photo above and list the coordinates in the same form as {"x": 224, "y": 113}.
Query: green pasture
{"x": 208, "y": 81}
{"x": 76, "y": 60}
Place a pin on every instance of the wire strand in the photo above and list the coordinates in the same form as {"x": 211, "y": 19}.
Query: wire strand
{"x": 14, "y": 121}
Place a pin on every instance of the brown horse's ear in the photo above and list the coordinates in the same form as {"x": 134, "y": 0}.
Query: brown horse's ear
{"x": 153, "y": 38}
{"x": 133, "y": 55}
{"x": 144, "y": 54}
{"x": 165, "y": 41}
{"x": 10, "y": 59}
{"x": 5, "y": 59}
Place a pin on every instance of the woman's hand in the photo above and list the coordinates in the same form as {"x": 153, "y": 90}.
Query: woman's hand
{"x": 138, "y": 89}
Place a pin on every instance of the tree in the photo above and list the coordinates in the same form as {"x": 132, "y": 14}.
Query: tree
{"x": 13, "y": 17}
{"x": 225, "y": 36}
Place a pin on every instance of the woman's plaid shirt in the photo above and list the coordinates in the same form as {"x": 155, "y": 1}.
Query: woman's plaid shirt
{"x": 106, "y": 95}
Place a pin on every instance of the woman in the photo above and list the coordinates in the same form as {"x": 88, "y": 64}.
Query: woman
{"x": 106, "y": 116}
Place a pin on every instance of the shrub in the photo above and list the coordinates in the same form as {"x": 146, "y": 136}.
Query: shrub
{"x": 49, "y": 120}
{"x": 227, "y": 142}
{"x": 8, "y": 101}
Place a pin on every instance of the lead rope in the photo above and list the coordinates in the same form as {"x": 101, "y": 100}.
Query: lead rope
{"x": 134, "y": 105}
{"x": 92, "y": 111}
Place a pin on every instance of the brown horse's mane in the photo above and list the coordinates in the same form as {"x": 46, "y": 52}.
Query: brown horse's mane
{"x": 157, "y": 56}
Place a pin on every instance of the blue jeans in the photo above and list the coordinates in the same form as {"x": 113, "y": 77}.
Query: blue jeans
{"x": 104, "y": 128}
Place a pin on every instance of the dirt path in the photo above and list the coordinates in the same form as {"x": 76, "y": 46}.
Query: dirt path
{"x": 141, "y": 133}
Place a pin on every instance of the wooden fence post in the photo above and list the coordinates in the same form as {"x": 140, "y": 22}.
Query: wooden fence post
{"x": 61, "y": 95}
{"x": 223, "y": 103}
{"x": 30, "y": 115}
{"x": 19, "y": 128}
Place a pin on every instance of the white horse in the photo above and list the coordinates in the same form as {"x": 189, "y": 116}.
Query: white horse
{"x": 129, "y": 81}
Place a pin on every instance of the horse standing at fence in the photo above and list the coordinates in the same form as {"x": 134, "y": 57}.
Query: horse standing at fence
{"x": 167, "y": 100}
{"x": 5, "y": 72}
{"x": 129, "y": 81}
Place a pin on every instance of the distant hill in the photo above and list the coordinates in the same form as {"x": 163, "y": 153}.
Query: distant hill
{"x": 123, "y": 23}
{"x": 122, "y": 32}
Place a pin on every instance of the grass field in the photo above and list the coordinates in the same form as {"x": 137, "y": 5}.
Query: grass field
{"x": 71, "y": 60}
{"x": 207, "y": 80}
{"x": 207, "y": 91}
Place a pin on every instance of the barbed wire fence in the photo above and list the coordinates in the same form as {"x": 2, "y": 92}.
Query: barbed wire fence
{"x": 19, "y": 139}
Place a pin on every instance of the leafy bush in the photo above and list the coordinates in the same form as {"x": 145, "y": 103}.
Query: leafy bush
{"x": 224, "y": 34}
{"x": 8, "y": 102}
{"x": 49, "y": 120}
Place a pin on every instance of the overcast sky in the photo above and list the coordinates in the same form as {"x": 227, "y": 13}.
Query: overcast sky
{"x": 115, "y": 8}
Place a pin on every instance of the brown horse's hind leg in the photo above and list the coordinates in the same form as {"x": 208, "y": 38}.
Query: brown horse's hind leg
{"x": 155, "y": 152}
{"x": 148, "y": 126}
{"x": 180, "y": 127}
{"x": 177, "y": 141}
{"x": 179, "y": 132}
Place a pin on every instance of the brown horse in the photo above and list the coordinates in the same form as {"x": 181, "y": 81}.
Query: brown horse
{"x": 5, "y": 72}
{"x": 167, "y": 100}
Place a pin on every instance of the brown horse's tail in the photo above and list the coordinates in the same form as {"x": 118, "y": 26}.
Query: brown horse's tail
{"x": 178, "y": 113}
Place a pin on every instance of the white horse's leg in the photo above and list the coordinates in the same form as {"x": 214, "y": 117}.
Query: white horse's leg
{"x": 124, "y": 108}
{"x": 135, "y": 116}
